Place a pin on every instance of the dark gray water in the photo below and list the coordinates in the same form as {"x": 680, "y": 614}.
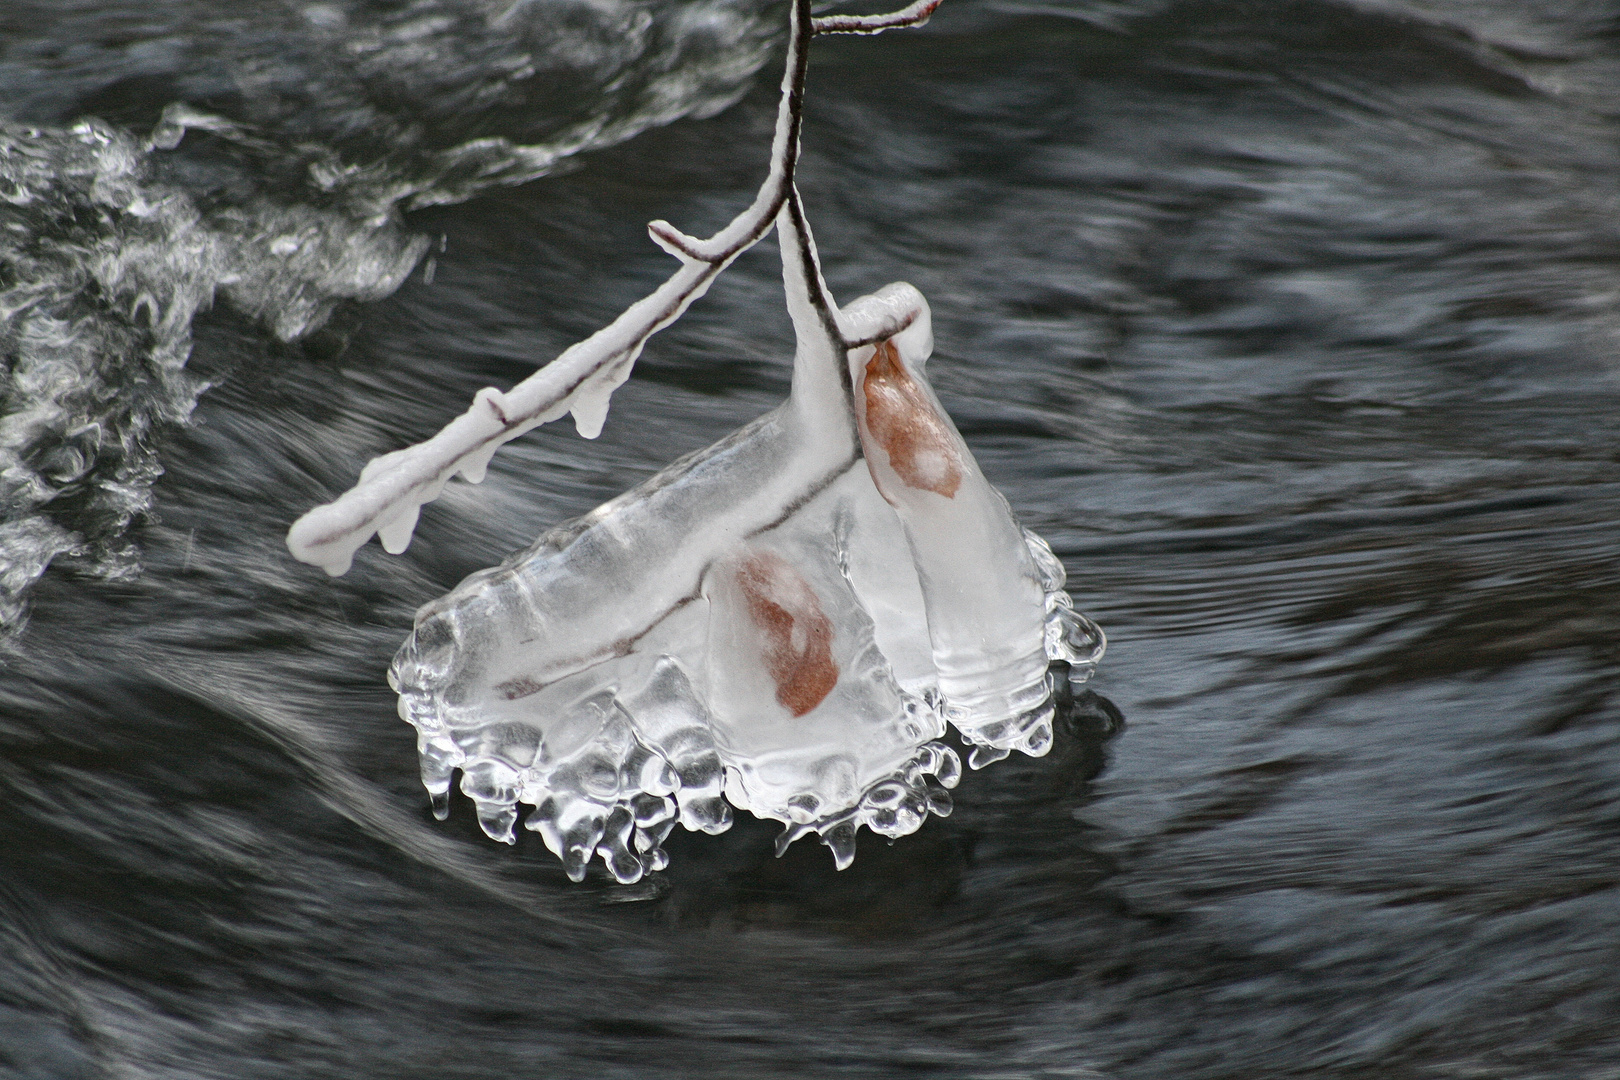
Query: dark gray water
{"x": 1293, "y": 326}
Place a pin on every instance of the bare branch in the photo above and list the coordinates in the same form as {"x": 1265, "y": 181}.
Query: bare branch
{"x": 914, "y": 14}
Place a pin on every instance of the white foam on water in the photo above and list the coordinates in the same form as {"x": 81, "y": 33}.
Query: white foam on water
{"x": 111, "y": 255}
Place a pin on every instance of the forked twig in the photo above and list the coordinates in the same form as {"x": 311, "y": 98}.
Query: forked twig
{"x": 393, "y": 487}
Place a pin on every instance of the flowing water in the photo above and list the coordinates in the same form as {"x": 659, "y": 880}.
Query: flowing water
{"x": 1292, "y": 325}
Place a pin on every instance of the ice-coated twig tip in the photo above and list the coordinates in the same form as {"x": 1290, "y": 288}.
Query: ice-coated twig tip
{"x": 911, "y": 15}
{"x": 675, "y": 242}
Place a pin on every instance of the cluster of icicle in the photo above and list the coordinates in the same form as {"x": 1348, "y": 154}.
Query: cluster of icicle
{"x": 785, "y": 622}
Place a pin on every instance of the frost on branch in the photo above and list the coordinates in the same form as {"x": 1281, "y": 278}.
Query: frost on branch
{"x": 784, "y": 623}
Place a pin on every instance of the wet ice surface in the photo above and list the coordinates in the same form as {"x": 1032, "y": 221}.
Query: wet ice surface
{"x": 1290, "y": 328}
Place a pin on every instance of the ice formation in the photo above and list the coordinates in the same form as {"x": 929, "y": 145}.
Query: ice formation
{"x": 785, "y": 622}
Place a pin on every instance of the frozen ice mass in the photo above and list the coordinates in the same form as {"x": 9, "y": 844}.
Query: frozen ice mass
{"x": 784, "y": 623}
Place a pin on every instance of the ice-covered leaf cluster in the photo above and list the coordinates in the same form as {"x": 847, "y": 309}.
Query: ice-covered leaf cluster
{"x": 785, "y": 623}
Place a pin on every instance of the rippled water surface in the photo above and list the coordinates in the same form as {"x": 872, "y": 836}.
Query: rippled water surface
{"x": 1292, "y": 326}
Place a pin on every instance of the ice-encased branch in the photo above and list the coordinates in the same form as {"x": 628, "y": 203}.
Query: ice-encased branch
{"x": 912, "y": 15}
{"x": 392, "y": 488}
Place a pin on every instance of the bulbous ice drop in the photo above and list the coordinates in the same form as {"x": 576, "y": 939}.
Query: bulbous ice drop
{"x": 1070, "y": 636}
{"x": 493, "y": 788}
{"x": 841, "y": 839}
{"x": 983, "y": 591}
